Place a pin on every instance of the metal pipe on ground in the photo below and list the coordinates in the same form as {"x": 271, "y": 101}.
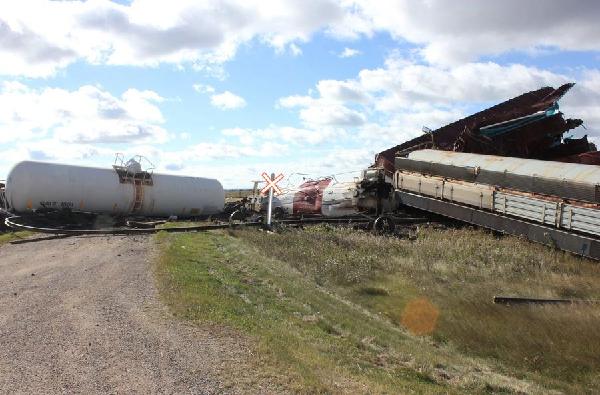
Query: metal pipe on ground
{"x": 10, "y": 222}
{"x": 516, "y": 300}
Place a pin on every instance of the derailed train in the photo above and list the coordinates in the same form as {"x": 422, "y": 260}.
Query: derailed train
{"x": 549, "y": 202}
{"x": 124, "y": 190}
{"x": 371, "y": 193}
{"x": 561, "y": 195}
{"x": 128, "y": 191}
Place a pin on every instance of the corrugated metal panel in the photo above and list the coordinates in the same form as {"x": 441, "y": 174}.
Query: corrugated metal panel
{"x": 580, "y": 219}
{"x": 539, "y": 210}
{"x": 566, "y": 216}
{"x": 566, "y": 180}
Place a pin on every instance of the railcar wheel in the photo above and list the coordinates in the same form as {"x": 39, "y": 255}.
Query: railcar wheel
{"x": 278, "y": 213}
{"x": 384, "y": 224}
{"x": 237, "y": 216}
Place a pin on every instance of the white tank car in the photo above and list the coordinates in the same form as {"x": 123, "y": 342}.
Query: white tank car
{"x": 122, "y": 190}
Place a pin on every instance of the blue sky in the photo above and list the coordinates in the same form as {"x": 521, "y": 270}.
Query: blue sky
{"x": 228, "y": 89}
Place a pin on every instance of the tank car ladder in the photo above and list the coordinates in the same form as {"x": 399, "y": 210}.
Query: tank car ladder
{"x": 138, "y": 178}
{"x": 138, "y": 185}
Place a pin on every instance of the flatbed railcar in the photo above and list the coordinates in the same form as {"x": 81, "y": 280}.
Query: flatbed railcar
{"x": 548, "y": 202}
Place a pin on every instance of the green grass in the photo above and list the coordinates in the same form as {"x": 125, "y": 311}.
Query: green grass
{"x": 326, "y": 310}
{"x": 10, "y": 236}
{"x": 307, "y": 339}
{"x": 458, "y": 272}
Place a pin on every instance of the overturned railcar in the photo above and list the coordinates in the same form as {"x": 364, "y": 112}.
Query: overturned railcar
{"x": 370, "y": 193}
{"x": 124, "y": 190}
{"x": 549, "y": 202}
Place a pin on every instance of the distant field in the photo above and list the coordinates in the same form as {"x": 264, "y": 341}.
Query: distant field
{"x": 336, "y": 310}
{"x": 234, "y": 194}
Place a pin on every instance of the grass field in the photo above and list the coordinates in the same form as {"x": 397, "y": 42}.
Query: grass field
{"x": 336, "y": 310}
{"x": 10, "y": 236}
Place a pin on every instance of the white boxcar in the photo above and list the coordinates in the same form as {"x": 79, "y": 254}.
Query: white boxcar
{"x": 119, "y": 191}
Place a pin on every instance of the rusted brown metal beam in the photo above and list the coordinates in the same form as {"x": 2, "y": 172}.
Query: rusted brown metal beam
{"x": 540, "y": 139}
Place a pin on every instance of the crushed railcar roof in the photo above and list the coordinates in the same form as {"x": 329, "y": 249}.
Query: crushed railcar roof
{"x": 527, "y": 126}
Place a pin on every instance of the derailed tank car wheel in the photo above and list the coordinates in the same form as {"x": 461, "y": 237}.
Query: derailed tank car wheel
{"x": 384, "y": 224}
{"x": 278, "y": 213}
{"x": 236, "y": 216}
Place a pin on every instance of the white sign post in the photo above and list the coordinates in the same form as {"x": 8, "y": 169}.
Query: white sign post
{"x": 271, "y": 188}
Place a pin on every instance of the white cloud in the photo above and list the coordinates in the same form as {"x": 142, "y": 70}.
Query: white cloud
{"x": 584, "y": 102}
{"x": 405, "y": 83}
{"x": 204, "y": 89}
{"x": 227, "y": 101}
{"x": 57, "y": 151}
{"x": 349, "y": 53}
{"x": 342, "y": 91}
{"x": 207, "y": 34}
{"x": 295, "y": 50}
{"x": 331, "y": 114}
{"x": 288, "y": 134}
{"x": 147, "y": 32}
{"x": 464, "y": 30}
{"x": 86, "y": 115}
{"x": 224, "y": 100}
{"x": 323, "y": 112}
{"x": 391, "y": 104}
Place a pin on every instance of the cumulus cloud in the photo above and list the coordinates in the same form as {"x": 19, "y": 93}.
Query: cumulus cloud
{"x": 349, "y": 53}
{"x": 390, "y": 104}
{"x": 405, "y": 83}
{"x": 227, "y": 101}
{"x": 86, "y": 115}
{"x": 56, "y": 151}
{"x": 315, "y": 112}
{"x": 207, "y": 34}
{"x": 342, "y": 91}
{"x": 295, "y": 50}
{"x": 147, "y": 33}
{"x": 288, "y": 134}
{"x": 207, "y": 153}
{"x": 464, "y": 30}
{"x": 224, "y": 101}
{"x": 204, "y": 89}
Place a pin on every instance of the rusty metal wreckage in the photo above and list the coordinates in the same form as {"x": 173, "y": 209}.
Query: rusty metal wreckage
{"x": 489, "y": 169}
{"x": 527, "y": 126}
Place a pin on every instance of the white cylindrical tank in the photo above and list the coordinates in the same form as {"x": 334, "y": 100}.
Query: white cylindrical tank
{"x": 36, "y": 185}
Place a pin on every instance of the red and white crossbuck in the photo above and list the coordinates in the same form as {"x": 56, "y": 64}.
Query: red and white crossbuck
{"x": 271, "y": 184}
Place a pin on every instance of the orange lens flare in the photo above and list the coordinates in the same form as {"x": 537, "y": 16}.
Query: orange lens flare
{"x": 420, "y": 317}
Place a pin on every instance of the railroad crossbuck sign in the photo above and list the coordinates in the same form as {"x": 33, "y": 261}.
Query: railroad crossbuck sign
{"x": 271, "y": 184}
{"x": 272, "y": 189}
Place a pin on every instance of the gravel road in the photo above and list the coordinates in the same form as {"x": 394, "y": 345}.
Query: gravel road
{"x": 82, "y": 315}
